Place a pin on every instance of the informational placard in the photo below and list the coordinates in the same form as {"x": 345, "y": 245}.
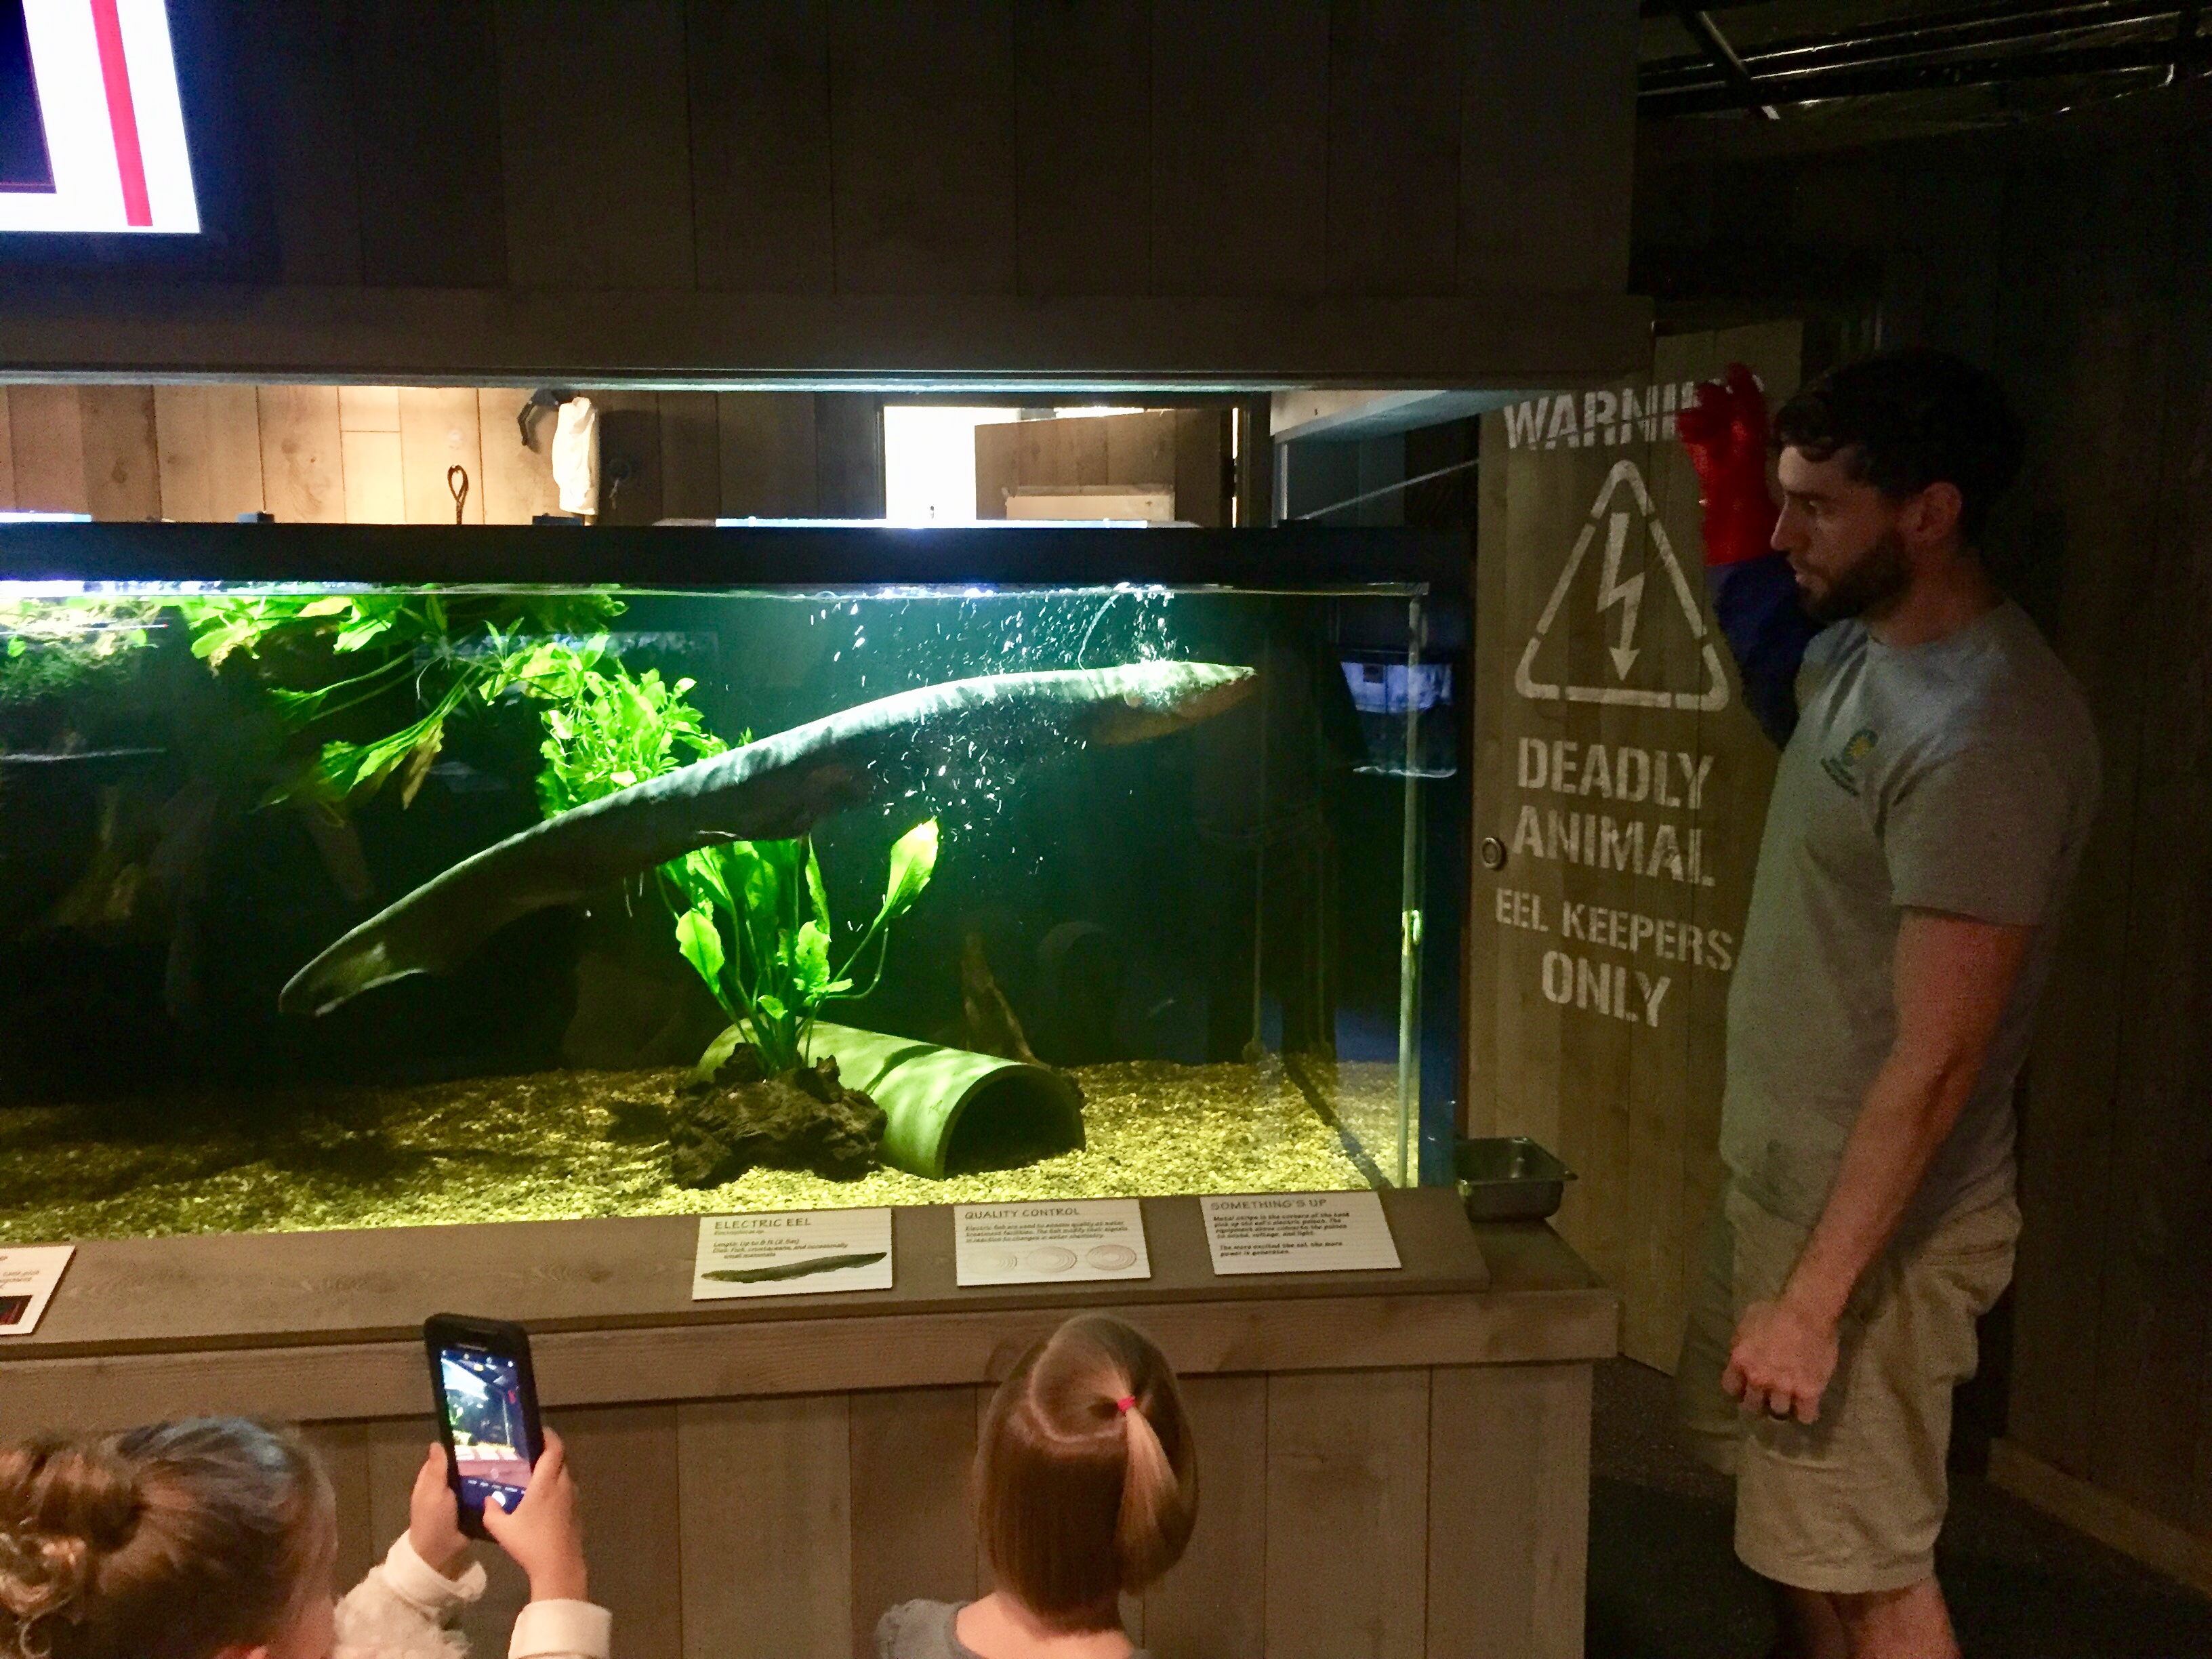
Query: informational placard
{"x": 792, "y": 1253}
{"x": 1050, "y": 1242}
{"x": 28, "y": 1274}
{"x": 1298, "y": 1233}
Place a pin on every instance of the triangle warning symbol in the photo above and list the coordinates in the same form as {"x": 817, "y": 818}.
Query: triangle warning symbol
{"x": 1627, "y": 596}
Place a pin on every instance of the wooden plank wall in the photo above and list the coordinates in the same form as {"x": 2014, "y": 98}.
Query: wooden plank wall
{"x": 956, "y": 147}
{"x": 1624, "y": 1086}
{"x": 1187, "y": 450}
{"x": 1392, "y": 1513}
{"x": 366, "y": 454}
{"x": 2112, "y": 1363}
{"x": 603, "y": 169}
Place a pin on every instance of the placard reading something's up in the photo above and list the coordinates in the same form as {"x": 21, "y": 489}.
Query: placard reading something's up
{"x": 1298, "y": 1233}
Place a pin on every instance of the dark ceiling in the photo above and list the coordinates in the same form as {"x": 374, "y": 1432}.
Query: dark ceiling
{"x": 1948, "y": 63}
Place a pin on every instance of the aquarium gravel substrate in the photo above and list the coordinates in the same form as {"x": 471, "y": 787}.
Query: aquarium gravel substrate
{"x": 557, "y": 1146}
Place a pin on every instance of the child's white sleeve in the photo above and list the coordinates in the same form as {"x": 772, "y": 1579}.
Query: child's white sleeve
{"x": 399, "y": 1611}
{"x": 561, "y": 1630}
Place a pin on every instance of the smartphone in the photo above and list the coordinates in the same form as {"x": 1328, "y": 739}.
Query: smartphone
{"x": 487, "y": 1410}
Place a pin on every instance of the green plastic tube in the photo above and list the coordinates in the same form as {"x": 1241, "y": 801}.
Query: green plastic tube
{"x": 928, "y": 1092}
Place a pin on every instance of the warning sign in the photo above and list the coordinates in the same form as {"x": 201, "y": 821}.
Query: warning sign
{"x": 1619, "y": 792}
{"x": 1624, "y": 595}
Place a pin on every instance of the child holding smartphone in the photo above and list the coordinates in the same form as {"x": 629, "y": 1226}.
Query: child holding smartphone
{"x": 1086, "y": 1489}
{"x": 216, "y": 1538}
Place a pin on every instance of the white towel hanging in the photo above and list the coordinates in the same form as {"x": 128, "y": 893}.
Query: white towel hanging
{"x": 576, "y": 457}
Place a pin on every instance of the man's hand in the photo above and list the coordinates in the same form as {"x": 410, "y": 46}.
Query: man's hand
{"x": 1781, "y": 1361}
{"x": 545, "y": 1534}
{"x": 433, "y": 1518}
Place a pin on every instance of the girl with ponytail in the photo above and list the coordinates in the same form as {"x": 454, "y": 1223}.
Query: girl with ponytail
{"x": 1086, "y": 1489}
{"x": 215, "y": 1539}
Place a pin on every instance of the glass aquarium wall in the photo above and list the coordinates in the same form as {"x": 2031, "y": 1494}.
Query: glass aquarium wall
{"x": 327, "y": 906}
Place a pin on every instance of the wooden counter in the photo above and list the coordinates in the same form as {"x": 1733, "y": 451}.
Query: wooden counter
{"x": 1394, "y": 1463}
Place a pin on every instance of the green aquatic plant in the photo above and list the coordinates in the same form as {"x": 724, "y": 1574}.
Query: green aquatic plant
{"x": 757, "y": 929}
{"x": 752, "y": 917}
{"x": 57, "y": 645}
{"x": 606, "y": 728}
{"x": 457, "y": 650}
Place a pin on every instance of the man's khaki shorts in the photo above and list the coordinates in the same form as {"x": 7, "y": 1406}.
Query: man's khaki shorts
{"x": 1852, "y": 1503}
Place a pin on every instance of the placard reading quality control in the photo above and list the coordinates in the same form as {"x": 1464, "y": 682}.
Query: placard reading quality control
{"x": 1298, "y": 1233}
{"x": 1049, "y": 1242}
{"x": 28, "y": 1274}
{"x": 792, "y": 1253}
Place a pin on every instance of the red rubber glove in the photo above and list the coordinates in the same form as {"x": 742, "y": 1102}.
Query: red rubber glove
{"x": 1725, "y": 432}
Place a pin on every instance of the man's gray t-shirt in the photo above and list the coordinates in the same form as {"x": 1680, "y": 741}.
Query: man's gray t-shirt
{"x": 1959, "y": 776}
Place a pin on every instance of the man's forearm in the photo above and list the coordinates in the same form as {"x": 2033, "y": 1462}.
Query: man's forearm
{"x": 1953, "y": 976}
{"x": 1909, "y": 1112}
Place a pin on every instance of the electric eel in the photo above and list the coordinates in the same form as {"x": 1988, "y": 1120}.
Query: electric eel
{"x": 774, "y": 789}
{"x": 813, "y": 1264}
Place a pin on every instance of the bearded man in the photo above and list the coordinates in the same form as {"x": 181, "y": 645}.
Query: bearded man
{"x": 1937, "y": 781}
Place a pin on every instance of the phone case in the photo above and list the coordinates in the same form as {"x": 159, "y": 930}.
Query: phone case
{"x": 495, "y": 1336}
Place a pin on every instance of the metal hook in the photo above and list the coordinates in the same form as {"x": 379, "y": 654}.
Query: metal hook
{"x": 457, "y": 483}
{"x": 546, "y": 397}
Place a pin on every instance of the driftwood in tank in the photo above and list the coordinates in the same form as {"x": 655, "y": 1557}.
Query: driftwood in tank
{"x": 989, "y": 1025}
{"x": 738, "y": 1120}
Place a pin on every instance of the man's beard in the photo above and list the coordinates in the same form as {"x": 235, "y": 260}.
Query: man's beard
{"x": 1882, "y": 572}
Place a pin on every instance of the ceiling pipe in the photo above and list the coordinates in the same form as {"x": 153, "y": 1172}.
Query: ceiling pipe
{"x": 1656, "y": 9}
{"x": 1861, "y": 83}
{"x": 1957, "y": 31}
{"x": 1707, "y": 33}
{"x": 2184, "y": 32}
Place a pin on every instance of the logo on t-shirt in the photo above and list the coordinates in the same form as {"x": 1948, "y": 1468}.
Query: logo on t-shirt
{"x": 1843, "y": 765}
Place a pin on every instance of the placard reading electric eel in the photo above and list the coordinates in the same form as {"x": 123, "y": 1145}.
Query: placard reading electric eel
{"x": 1298, "y": 1233}
{"x": 792, "y": 1253}
{"x": 28, "y": 1274}
{"x": 1050, "y": 1242}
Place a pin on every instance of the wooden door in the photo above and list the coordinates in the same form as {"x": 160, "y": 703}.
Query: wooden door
{"x": 1180, "y": 453}
{"x": 1620, "y": 788}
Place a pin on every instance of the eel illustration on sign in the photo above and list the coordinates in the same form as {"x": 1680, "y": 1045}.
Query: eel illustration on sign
{"x": 1627, "y": 595}
{"x": 811, "y": 1265}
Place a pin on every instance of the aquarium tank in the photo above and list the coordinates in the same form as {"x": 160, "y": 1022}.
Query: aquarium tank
{"x": 356, "y": 878}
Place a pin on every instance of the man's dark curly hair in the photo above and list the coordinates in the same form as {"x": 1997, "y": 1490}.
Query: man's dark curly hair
{"x": 1906, "y": 418}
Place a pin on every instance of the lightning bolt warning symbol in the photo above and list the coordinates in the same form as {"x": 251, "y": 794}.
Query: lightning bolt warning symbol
{"x": 1628, "y": 594}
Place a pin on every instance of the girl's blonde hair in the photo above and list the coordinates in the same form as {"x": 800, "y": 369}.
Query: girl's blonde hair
{"x": 1086, "y": 1478}
{"x": 168, "y": 1542}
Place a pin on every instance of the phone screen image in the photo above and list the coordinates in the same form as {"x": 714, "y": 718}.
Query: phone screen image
{"x": 484, "y": 1410}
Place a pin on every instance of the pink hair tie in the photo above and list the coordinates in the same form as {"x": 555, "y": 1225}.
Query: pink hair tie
{"x": 1125, "y": 1403}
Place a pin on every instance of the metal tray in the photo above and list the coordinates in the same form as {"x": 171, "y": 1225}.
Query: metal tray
{"x": 1509, "y": 1178}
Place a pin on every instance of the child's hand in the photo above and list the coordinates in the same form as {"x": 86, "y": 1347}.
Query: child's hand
{"x": 433, "y": 1519}
{"x": 545, "y": 1534}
